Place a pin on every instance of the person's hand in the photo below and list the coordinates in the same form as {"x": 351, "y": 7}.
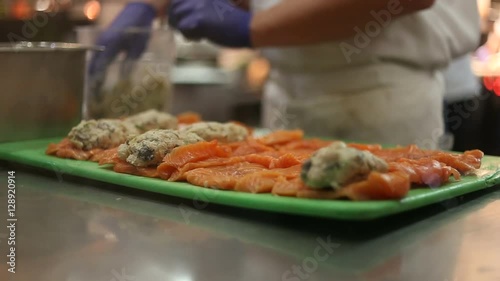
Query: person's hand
{"x": 128, "y": 33}
{"x": 219, "y": 21}
{"x": 120, "y": 36}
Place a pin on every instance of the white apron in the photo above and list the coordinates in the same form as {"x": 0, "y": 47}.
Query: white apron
{"x": 383, "y": 94}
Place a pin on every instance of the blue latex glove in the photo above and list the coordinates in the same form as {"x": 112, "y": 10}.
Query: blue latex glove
{"x": 216, "y": 20}
{"x": 120, "y": 37}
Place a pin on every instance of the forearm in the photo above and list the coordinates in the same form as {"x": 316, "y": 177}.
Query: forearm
{"x": 300, "y": 22}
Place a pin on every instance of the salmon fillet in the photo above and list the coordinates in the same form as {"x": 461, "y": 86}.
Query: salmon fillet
{"x": 182, "y": 155}
{"x": 66, "y": 149}
{"x": 222, "y": 177}
{"x": 273, "y": 164}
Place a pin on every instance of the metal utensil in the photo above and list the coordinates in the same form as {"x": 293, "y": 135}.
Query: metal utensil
{"x": 42, "y": 88}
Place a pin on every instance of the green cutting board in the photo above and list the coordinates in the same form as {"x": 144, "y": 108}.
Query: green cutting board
{"x": 33, "y": 153}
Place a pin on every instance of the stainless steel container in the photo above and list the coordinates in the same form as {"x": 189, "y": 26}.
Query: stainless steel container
{"x": 42, "y": 86}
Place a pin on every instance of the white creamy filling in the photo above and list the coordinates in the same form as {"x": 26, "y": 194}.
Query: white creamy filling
{"x": 338, "y": 165}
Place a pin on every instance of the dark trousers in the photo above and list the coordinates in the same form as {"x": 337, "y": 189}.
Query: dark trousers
{"x": 475, "y": 123}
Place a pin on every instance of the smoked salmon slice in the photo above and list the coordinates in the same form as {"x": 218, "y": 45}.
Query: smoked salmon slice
{"x": 180, "y": 173}
{"x": 249, "y": 146}
{"x": 378, "y": 186}
{"x": 274, "y": 160}
{"x": 408, "y": 152}
{"x": 307, "y": 144}
{"x": 425, "y": 171}
{"x": 264, "y": 181}
{"x": 109, "y": 156}
{"x": 464, "y": 163}
{"x": 259, "y": 182}
{"x": 182, "y": 155}
{"x": 188, "y": 118}
{"x": 222, "y": 177}
{"x": 262, "y": 159}
{"x": 366, "y": 147}
{"x": 288, "y": 188}
{"x": 281, "y": 137}
{"x": 126, "y": 168}
{"x": 285, "y": 161}
{"x": 66, "y": 149}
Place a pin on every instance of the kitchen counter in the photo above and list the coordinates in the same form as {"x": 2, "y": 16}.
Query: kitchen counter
{"x": 74, "y": 229}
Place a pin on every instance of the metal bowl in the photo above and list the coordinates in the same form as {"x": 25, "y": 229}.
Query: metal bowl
{"x": 42, "y": 89}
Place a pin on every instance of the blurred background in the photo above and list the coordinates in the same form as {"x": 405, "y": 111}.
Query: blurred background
{"x": 203, "y": 73}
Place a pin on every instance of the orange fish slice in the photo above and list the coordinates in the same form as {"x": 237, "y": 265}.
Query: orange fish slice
{"x": 425, "y": 171}
{"x": 180, "y": 173}
{"x": 109, "y": 156}
{"x": 222, "y": 177}
{"x": 309, "y": 144}
{"x": 285, "y": 161}
{"x": 464, "y": 163}
{"x": 182, "y": 155}
{"x": 126, "y": 168}
{"x": 188, "y": 118}
{"x": 288, "y": 187}
{"x": 281, "y": 137}
{"x": 378, "y": 186}
{"x": 249, "y": 146}
{"x": 66, "y": 149}
{"x": 264, "y": 181}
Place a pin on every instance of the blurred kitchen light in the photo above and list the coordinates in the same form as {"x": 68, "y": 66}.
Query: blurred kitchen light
{"x": 42, "y": 5}
{"x": 21, "y": 9}
{"x": 92, "y": 9}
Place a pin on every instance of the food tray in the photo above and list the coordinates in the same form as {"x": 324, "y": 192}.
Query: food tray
{"x": 32, "y": 153}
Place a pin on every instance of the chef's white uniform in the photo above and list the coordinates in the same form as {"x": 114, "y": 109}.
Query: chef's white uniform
{"x": 384, "y": 85}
